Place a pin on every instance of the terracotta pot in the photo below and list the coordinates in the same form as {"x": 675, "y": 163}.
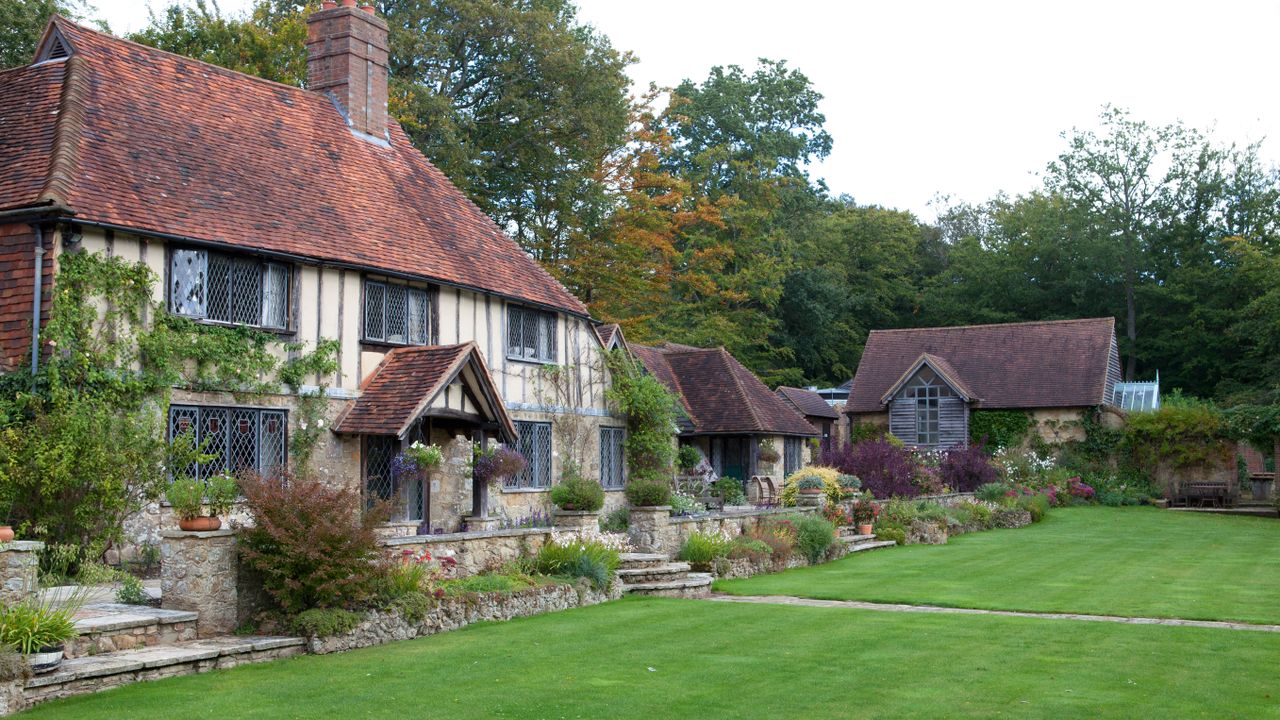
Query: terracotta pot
{"x": 6, "y": 533}
{"x": 867, "y": 529}
{"x": 46, "y": 659}
{"x": 810, "y": 491}
{"x": 204, "y": 523}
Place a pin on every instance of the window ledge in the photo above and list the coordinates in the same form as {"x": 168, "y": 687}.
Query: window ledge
{"x": 526, "y": 490}
{"x": 282, "y": 332}
{"x": 532, "y": 361}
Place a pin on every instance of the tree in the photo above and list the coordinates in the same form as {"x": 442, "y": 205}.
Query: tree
{"x": 22, "y": 23}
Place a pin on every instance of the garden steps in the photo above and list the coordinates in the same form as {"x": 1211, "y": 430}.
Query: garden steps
{"x": 870, "y": 545}
{"x": 108, "y": 627}
{"x": 92, "y": 673}
{"x": 656, "y": 574}
{"x": 855, "y": 539}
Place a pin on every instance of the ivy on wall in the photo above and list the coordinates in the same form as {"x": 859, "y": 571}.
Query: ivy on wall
{"x": 82, "y": 441}
{"x": 999, "y": 428}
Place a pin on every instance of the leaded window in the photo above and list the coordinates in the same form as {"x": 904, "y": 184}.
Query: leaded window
{"x": 535, "y": 445}
{"x": 396, "y": 314}
{"x": 239, "y": 439}
{"x": 531, "y": 334}
{"x": 208, "y": 285}
{"x": 927, "y": 391}
{"x": 382, "y": 482}
{"x": 612, "y": 473}
{"x": 791, "y": 454}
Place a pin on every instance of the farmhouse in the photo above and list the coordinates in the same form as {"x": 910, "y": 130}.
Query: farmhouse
{"x": 307, "y": 215}
{"x": 925, "y": 384}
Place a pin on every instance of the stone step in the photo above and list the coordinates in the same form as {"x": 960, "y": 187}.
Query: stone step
{"x": 639, "y": 560}
{"x": 655, "y": 573}
{"x": 871, "y": 545}
{"x": 696, "y": 585}
{"x": 108, "y": 627}
{"x": 853, "y": 539}
{"x": 99, "y": 672}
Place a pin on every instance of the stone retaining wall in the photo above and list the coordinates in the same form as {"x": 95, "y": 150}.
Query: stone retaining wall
{"x": 653, "y": 529}
{"x": 380, "y": 627}
{"x": 199, "y": 572}
{"x": 478, "y": 551}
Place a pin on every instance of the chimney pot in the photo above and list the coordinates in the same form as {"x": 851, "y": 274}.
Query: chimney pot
{"x": 367, "y": 8}
{"x": 328, "y": 5}
{"x": 348, "y": 3}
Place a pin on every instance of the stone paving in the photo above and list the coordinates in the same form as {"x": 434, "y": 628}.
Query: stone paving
{"x": 895, "y": 607}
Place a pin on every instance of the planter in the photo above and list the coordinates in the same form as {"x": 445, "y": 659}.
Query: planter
{"x": 867, "y": 529}
{"x": 809, "y": 499}
{"x": 47, "y": 659}
{"x": 204, "y": 523}
{"x": 6, "y": 533}
{"x": 1261, "y": 490}
{"x": 576, "y": 520}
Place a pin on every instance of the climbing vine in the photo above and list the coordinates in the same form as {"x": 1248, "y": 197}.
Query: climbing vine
{"x": 82, "y": 441}
{"x": 999, "y": 428}
{"x": 651, "y": 412}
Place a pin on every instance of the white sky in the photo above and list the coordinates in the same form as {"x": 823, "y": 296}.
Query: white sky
{"x": 961, "y": 99}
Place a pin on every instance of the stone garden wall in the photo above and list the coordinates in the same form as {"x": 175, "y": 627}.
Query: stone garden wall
{"x": 380, "y": 627}
{"x": 19, "y": 570}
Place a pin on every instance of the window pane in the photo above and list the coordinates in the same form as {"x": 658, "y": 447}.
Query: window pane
{"x": 395, "y": 313}
{"x": 514, "y": 327}
{"x": 529, "y": 337}
{"x": 188, "y": 273}
{"x": 275, "y": 293}
{"x": 535, "y": 445}
{"x": 374, "y": 302}
{"x": 417, "y": 317}
{"x": 246, "y": 292}
{"x": 219, "y": 288}
{"x": 548, "y": 350}
{"x": 243, "y": 451}
{"x": 379, "y": 485}
{"x": 273, "y": 438}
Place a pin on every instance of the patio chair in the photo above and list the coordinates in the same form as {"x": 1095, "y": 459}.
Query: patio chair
{"x": 766, "y": 491}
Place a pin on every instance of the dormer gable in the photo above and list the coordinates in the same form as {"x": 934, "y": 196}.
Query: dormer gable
{"x": 54, "y": 46}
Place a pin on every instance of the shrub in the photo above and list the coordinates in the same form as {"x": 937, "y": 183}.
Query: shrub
{"x": 311, "y": 544}
{"x": 578, "y": 557}
{"x": 837, "y": 515}
{"x": 849, "y": 485}
{"x": 779, "y": 534}
{"x": 221, "y": 491}
{"x": 999, "y": 428}
{"x": 324, "y": 622}
{"x": 575, "y": 492}
{"x": 891, "y": 532}
{"x": 688, "y": 457}
{"x": 992, "y": 492}
{"x": 704, "y": 548}
{"x": 12, "y": 665}
{"x": 828, "y": 477}
{"x": 978, "y": 512}
{"x": 36, "y": 623}
{"x": 813, "y": 537}
{"x": 1037, "y": 505}
{"x": 648, "y": 493}
{"x": 488, "y": 583}
{"x": 131, "y": 591}
{"x": 682, "y": 504}
{"x": 966, "y": 469}
{"x": 617, "y": 520}
{"x": 865, "y": 510}
{"x": 651, "y": 411}
{"x": 885, "y": 469}
{"x": 186, "y": 495}
{"x": 750, "y": 548}
{"x": 730, "y": 490}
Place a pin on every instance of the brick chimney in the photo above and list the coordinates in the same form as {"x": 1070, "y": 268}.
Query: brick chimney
{"x": 347, "y": 58}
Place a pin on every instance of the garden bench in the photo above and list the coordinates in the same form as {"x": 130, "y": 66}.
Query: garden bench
{"x": 766, "y": 491}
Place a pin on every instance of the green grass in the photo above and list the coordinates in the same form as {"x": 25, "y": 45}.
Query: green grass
{"x": 1111, "y": 561}
{"x": 652, "y": 659}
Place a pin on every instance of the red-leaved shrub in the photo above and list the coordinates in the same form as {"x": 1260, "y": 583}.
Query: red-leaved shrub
{"x": 312, "y": 545}
{"x": 885, "y": 469}
{"x": 964, "y": 469}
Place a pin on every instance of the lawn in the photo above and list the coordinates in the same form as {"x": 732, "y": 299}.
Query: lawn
{"x": 653, "y": 658}
{"x": 1112, "y": 561}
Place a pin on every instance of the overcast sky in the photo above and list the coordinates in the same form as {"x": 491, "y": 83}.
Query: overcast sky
{"x": 958, "y": 98}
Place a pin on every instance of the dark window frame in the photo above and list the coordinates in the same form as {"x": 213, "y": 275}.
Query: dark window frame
{"x": 536, "y": 444}
{"x": 613, "y": 461}
{"x": 198, "y": 309}
{"x": 228, "y": 418}
{"x": 544, "y": 346}
{"x": 385, "y": 290}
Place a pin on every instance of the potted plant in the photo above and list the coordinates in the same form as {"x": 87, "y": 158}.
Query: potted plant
{"x": 492, "y": 464}
{"x": 425, "y": 457}
{"x": 865, "y": 512}
{"x": 39, "y": 629}
{"x": 810, "y": 491}
{"x": 6, "y": 530}
{"x": 688, "y": 458}
{"x": 575, "y": 493}
{"x": 768, "y": 453}
{"x": 849, "y": 486}
{"x": 188, "y": 498}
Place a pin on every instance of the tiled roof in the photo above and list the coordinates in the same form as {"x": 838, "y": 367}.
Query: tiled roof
{"x": 944, "y": 370}
{"x": 720, "y": 395}
{"x": 607, "y": 334}
{"x": 165, "y": 144}
{"x": 1060, "y": 363}
{"x": 405, "y": 383}
{"x": 807, "y": 402}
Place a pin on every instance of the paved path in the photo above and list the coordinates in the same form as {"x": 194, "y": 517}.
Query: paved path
{"x": 890, "y": 607}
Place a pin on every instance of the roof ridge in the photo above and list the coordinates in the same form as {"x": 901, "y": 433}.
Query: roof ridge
{"x": 751, "y": 408}
{"x": 1007, "y": 324}
{"x": 64, "y": 158}
{"x": 186, "y": 58}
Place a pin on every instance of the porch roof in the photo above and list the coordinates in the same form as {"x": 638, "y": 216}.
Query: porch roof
{"x": 407, "y": 381}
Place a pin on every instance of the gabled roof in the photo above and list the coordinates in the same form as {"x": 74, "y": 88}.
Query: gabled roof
{"x": 404, "y": 385}
{"x": 1061, "y": 363}
{"x": 611, "y": 336}
{"x": 939, "y": 366}
{"x": 807, "y": 402}
{"x": 159, "y": 143}
{"x": 720, "y": 395}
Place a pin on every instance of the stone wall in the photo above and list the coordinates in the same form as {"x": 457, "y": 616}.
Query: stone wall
{"x": 380, "y": 627}
{"x": 199, "y": 572}
{"x": 478, "y": 551}
{"x": 655, "y": 530}
{"x": 19, "y": 570}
